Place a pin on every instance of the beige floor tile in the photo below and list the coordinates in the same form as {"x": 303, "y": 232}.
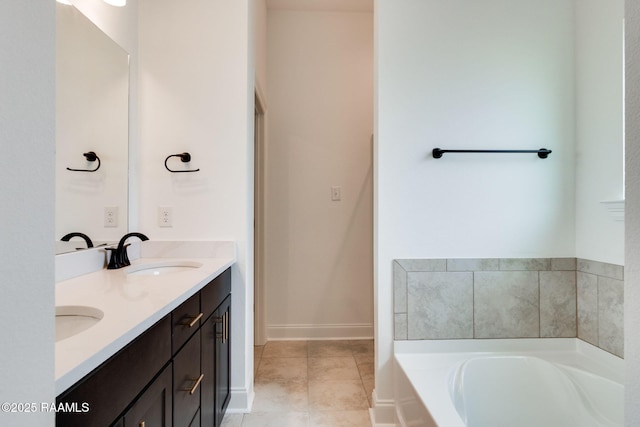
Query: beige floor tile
{"x": 363, "y": 358}
{"x": 329, "y": 348}
{"x": 369, "y": 385}
{"x": 340, "y": 419}
{"x": 367, "y": 371}
{"x": 333, "y": 368}
{"x": 285, "y": 349}
{"x": 282, "y": 369}
{"x": 232, "y": 420}
{"x": 285, "y": 396}
{"x": 276, "y": 419}
{"x": 336, "y": 396}
{"x": 361, "y": 346}
{"x": 257, "y": 351}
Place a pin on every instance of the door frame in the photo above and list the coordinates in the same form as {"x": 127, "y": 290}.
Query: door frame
{"x": 259, "y": 178}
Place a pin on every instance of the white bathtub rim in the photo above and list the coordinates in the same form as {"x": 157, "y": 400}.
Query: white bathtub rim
{"x": 432, "y": 361}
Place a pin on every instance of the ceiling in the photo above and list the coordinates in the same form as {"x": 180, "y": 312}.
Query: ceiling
{"x": 323, "y": 5}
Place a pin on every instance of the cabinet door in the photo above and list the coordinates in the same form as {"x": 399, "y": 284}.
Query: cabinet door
{"x": 112, "y": 387}
{"x": 153, "y": 407}
{"x": 208, "y": 361}
{"x": 223, "y": 359}
{"x": 187, "y": 378}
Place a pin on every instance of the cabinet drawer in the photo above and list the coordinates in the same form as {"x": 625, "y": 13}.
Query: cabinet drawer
{"x": 111, "y": 387}
{"x": 186, "y": 321}
{"x": 153, "y": 407}
{"x": 215, "y": 292}
{"x": 186, "y": 382}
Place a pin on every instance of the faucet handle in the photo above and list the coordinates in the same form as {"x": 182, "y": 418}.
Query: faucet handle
{"x": 114, "y": 263}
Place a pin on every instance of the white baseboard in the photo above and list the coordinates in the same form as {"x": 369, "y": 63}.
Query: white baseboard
{"x": 320, "y": 332}
{"x": 241, "y": 401}
{"x": 383, "y": 413}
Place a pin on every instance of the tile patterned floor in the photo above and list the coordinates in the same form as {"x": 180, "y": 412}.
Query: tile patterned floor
{"x": 310, "y": 384}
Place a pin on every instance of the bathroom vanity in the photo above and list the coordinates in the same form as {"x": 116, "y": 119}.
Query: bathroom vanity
{"x": 160, "y": 354}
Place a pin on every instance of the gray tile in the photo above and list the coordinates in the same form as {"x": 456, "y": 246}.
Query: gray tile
{"x": 611, "y": 315}
{"x": 400, "y": 326}
{"x": 440, "y": 305}
{"x": 506, "y": 304}
{"x": 558, "y": 304}
{"x": 399, "y": 288}
{"x": 587, "y": 287}
{"x": 525, "y": 264}
{"x": 564, "y": 264}
{"x": 473, "y": 264}
{"x": 423, "y": 264}
{"x": 604, "y": 269}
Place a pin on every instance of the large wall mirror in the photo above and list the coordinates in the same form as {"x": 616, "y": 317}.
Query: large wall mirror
{"x": 92, "y": 127}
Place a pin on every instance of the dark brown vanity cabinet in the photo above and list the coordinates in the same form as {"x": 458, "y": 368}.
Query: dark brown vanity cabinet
{"x": 176, "y": 374}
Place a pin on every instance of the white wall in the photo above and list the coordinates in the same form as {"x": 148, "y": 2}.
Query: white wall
{"x": 318, "y": 266}
{"x": 632, "y": 215}
{"x": 27, "y": 135}
{"x": 196, "y": 95}
{"x": 259, "y": 28}
{"x": 460, "y": 74}
{"x": 599, "y": 128}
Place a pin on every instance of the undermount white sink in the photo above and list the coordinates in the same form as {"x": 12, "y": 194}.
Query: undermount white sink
{"x": 163, "y": 267}
{"x": 73, "y": 319}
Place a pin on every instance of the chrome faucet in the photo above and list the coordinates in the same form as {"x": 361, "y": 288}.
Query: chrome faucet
{"x": 119, "y": 257}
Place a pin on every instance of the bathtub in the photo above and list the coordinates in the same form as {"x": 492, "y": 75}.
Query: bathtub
{"x": 506, "y": 383}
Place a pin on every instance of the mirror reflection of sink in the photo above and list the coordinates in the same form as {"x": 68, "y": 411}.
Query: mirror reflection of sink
{"x": 160, "y": 268}
{"x": 73, "y": 319}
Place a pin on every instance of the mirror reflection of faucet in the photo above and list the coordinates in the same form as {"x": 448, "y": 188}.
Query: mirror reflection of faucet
{"x": 119, "y": 257}
{"x": 86, "y": 238}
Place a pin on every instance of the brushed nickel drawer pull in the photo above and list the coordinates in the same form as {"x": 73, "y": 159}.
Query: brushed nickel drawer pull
{"x": 142, "y": 424}
{"x": 195, "y": 386}
{"x": 195, "y": 320}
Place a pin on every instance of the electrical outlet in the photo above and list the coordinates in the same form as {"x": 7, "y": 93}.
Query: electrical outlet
{"x": 110, "y": 216}
{"x": 165, "y": 216}
{"x": 336, "y": 194}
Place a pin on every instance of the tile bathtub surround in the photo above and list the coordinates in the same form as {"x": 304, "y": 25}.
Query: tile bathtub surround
{"x": 310, "y": 383}
{"x": 509, "y": 298}
{"x": 600, "y": 288}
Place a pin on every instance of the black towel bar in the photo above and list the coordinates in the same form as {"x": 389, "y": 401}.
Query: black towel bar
{"x": 542, "y": 153}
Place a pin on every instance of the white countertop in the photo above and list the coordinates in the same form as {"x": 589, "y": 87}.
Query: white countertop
{"x": 131, "y": 304}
